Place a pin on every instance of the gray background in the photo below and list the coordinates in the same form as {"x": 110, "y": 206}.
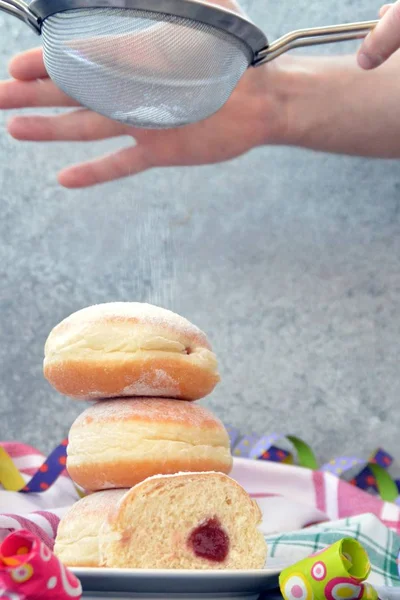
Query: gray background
{"x": 289, "y": 260}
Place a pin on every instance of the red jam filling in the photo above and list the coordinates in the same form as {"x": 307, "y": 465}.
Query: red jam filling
{"x": 210, "y": 541}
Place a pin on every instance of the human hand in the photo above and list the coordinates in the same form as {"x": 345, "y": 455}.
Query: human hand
{"x": 254, "y": 115}
{"x": 384, "y": 40}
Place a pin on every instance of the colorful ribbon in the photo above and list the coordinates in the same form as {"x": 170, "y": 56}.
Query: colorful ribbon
{"x": 305, "y": 455}
{"x": 373, "y": 473}
{"x": 50, "y": 470}
{"x": 265, "y": 448}
{"x": 338, "y": 572}
{"x": 12, "y": 480}
{"x": 241, "y": 446}
{"x": 365, "y": 480}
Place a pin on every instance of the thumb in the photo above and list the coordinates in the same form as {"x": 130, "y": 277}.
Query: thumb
{"x": 383, "y": 41}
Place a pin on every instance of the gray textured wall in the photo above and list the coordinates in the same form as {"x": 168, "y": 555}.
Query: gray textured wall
{"x": 288, "y": 259}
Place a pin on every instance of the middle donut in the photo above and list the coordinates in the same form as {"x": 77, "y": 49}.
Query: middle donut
{"x": 119, "y": 443}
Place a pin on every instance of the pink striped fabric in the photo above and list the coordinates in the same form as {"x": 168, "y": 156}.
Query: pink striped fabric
{"x": 318, "y": 480}
{"x": 52, "y": 520}
{"x": 299, "y": 497}
{"x": 28, "y": 524}
{"x": 17, "y": 450}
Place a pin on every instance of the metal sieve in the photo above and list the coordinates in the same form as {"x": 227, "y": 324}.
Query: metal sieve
{"x": 156, "y": 63}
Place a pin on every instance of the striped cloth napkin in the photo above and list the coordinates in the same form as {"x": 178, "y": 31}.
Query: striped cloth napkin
{"x": 303, "y": 511}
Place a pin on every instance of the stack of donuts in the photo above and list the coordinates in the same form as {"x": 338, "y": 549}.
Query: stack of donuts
{"x": 153, "y": 462}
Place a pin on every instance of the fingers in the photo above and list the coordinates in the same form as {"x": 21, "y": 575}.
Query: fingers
{"x": 28, "y": 66}
{"x": 24, "y": 94}
{"x": 383, "y": 41}
{"x": 126, "y": 162}
{"x": 77, "y": 126}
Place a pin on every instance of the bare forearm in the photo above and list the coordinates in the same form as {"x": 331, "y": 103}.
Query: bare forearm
{"x": 334, "y": 106}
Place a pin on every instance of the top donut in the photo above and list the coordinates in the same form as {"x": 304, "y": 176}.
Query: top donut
{"x": 129, "y": 349}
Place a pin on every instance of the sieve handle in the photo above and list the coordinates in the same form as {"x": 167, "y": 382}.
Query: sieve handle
{"x": 313, "y": 37}
{"x": 20, "y": 10}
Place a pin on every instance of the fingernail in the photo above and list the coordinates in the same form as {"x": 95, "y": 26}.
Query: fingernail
{"x": 368, "y": 62}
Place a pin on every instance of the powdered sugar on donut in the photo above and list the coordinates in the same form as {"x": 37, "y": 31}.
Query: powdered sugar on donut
{"x": 157, "y": 383}
{"x": 99, "y": 501}
{"x": 133, "y": 312}
{"x": 150, "y": 409}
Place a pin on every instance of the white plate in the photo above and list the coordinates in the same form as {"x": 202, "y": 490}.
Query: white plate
{"x": 180, "y": 585}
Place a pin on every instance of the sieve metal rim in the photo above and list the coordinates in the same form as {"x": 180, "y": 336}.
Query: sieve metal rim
{"x": 215, "y": 16}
